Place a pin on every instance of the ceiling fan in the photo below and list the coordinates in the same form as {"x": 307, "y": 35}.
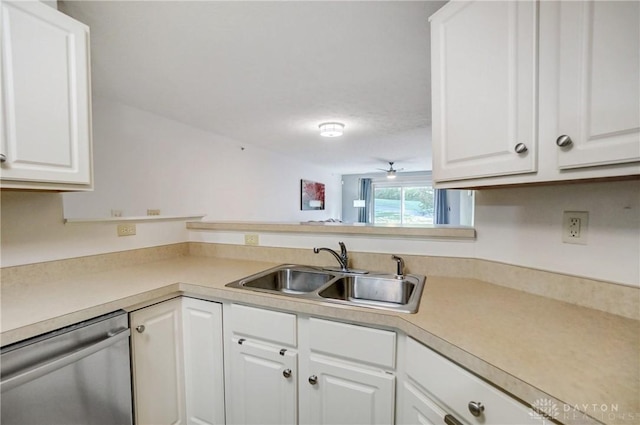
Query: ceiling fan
{"x": 391, "y": 172}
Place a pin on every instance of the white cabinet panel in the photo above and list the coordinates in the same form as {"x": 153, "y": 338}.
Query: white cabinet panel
{"x": 203, "y": 362}
{"x": 535, "y": 71}
{"x": 262, "y": 384}
{"x": 599, "y": 82}
{"x": 484, "y": 83}
{"x": 267, "y": 325}
{"x": 345, "y": 394}
{"x": 158, "y": 372}
{"x": 329, "y": 337}
{"x": 178, "y": 363}
{"x": 417, "y": 408}
{"x": 453, "y": 388}
{"x": 46, "y": 134}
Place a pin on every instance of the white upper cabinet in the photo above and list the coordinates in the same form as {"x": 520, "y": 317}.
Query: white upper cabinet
{"x": 484, "y": 89}
{"x": 559, "y": 78}
{"x": 599, "y": 83}
{"x": 46, "y": 120}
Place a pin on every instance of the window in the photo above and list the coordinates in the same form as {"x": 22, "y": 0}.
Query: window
{"x": 408, "y": 200}
{"x": 402, "y": 204}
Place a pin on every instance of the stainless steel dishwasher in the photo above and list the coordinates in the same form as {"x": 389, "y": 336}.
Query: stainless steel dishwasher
{"x": 80, "y": 374}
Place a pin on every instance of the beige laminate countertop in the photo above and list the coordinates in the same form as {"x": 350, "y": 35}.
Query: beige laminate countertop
{"x": 533, "y": 347}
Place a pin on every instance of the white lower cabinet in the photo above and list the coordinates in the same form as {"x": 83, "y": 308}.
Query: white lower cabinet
{"x": 280, "y": 368}
{"x": 417, "y": 408}
{"x": 261, "y": 366}
{"x": 177, "y": 363}
{"x": 284, "y": 369}
{"x": 263, "y": 388}
{"x": 203, "y": 362}
{"x": 342, "y": 393}
{"x": 435, "y": 390}
{"x": 346, "y": 373}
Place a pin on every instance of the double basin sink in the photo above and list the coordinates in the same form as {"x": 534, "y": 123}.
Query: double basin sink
{"x": 374, "y": 290}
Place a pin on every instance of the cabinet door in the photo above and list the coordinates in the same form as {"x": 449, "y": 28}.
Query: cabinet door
{"x": 203, "y": 361}
{"x": 416, "y": 408}
{"x": 157, "y": 364}
{"x": 454, "y": 388}
{"x": 46, "y": 132}
{"x": 345, "y": 394}
{"x": 599, "y": 83}
{"x": 484, "y": 83}
{"x": 263, "y": 384}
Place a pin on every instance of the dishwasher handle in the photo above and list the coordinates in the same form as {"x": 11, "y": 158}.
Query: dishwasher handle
{"x": 46, "y": 368}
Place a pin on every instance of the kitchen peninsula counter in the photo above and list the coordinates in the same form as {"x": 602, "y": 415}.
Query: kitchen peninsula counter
{"x": 535, "y": 348}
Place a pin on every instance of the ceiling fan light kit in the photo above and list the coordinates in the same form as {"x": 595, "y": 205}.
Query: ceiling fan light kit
{"x": 331, "y": 129}
{"x": 391, "y": 172}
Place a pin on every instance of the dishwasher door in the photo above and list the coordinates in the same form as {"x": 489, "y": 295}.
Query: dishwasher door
{"x": 77, "y": 375}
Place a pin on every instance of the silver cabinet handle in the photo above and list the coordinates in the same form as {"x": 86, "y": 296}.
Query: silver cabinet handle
{"x": 3, "y": 157}
{"x": 313, "y": 379}
{"x": 476, "y": 408}
{"x": 564, "y": 141}
{"x": 450, "y": 420}
{"x": 521, "y": 148}
{"x": 286, "y": 373}
{"x": 140, "y": 328}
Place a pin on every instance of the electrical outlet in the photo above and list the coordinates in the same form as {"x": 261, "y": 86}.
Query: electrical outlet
{"x": 574, "y": 227}
{"x": 116, "y": 213}
{"x": 126, "y": 229}
{"x": 153, "y": 212}
{"x": 251, "y": 239}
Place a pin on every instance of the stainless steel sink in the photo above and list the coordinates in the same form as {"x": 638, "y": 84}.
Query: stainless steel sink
{"x": 370, "y": 288}
{"x": 288, "y": 279}
{"x": 374, "y": 290}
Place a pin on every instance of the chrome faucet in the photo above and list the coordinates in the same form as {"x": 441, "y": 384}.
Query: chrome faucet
{"x": 400, "y": 266}
{"x": 342, "y": 258}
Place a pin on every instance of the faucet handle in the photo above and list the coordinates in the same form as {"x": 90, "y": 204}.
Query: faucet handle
{"x": 343, "y": 249}
{"x": 400, "y": 266}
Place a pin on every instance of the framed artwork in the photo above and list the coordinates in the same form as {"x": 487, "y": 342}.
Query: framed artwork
{"x": 311, "y": 195}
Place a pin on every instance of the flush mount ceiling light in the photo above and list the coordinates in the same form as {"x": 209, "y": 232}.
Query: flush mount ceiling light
{"x": 331, "y": 129}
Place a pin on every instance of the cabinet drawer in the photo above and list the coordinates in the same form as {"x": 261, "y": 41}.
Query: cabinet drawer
{"x": 267, "y": 325}
{"x": 454, "y": 388}
{"x": 368, "y": 345}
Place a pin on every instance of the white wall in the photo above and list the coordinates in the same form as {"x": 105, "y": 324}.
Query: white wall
{"x": 177, "y": 165}
{"x": 523, "y": 226}
{"x": 33, "y": 231}
{"x": 144, "y": 161}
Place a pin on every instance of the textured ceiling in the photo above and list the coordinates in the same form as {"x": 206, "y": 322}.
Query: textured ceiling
{"x": 267, "y": 73}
